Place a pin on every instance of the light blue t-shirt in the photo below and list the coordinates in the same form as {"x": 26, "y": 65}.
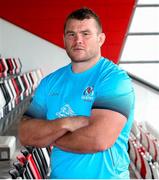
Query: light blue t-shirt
{"x": 65, "y": 93}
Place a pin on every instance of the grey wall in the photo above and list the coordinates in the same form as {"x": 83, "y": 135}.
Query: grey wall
{"x": 33, "y": 51}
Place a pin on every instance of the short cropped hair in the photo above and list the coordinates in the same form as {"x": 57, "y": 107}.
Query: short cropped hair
{"x": 84, "y": 13}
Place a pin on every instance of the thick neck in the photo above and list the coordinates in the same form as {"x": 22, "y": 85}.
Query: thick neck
{"x": 78, "y": 67}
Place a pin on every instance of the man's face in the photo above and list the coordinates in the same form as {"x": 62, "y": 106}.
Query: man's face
{"x": 82, "y": 40}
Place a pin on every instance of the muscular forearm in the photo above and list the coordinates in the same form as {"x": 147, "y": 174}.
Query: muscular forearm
{"x": 79, "y": 141}
{"x": 101, "y": 133}
{"x": 42, "y": 132}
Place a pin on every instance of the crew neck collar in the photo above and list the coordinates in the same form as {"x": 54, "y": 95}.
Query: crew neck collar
{"x": 86, "y": 71}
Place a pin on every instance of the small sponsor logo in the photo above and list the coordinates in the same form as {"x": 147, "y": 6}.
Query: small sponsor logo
{"x": 65, "y": 111}
{"x": 88, "y": 94}
{"x": 54, "y": 94}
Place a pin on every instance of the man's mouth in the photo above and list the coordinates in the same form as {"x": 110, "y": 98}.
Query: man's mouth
{"x": 78, "y": 48}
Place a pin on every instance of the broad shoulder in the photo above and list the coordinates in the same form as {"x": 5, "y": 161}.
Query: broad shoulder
{"x": 51, "y": 78}
{"x": 114, "y": 77}
{"x": 110, "y": 69}
{"x": 56, "y": 73}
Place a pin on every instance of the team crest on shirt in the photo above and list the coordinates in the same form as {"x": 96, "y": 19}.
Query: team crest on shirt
{"x": 88, "y": 93}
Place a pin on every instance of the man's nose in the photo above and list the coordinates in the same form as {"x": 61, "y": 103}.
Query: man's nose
{"x": 78, "y": 38}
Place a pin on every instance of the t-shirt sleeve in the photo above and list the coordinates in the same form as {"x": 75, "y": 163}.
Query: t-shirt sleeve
{"x": 115, "y": 92}
{"x": 37, "y": 107}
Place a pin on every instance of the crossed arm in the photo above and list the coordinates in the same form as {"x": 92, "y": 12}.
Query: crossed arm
{"x": 40, "y": 132}
{"x": 78, "y": 134}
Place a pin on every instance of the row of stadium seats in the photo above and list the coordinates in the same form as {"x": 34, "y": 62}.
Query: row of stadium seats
{"x": 144, "y": 152}
{"x": 32, "y": 163}
{"x": 10, "y": 66}
{"x": 146, "y": 138}
{"x": 14, "y": 116}
{"x": 16, "y": 89}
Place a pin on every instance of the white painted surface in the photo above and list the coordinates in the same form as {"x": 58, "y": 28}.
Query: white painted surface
{"x": 147, "y": 107}
{"x": 33, "y": 51}
{"x": 148, "y": 72}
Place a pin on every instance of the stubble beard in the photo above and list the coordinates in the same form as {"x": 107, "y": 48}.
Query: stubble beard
{"x": 83, "y": 59}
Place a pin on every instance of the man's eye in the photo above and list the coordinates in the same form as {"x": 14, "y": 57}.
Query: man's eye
{"x": 71, "y": 34}
{"x": 85, "y": 33}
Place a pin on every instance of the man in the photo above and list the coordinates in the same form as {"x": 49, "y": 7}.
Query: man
{"x": 84, "y": 109}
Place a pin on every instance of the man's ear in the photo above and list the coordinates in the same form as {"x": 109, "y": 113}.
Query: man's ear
{"x": 101, "y": 38}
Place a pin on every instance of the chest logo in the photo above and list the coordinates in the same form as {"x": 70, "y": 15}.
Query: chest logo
{"x": 88, "y": 93}
{"x": 65, "y": 111}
